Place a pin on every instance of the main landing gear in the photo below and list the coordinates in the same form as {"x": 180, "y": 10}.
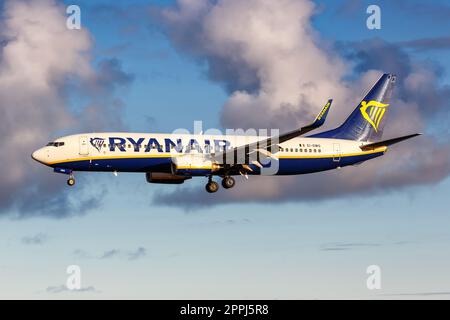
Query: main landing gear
{"x": 212, "y": 186}
{"x": 71, "y": 181}
{"x": 228, "y": 182}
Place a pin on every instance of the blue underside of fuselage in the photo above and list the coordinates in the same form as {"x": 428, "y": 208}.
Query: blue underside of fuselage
{"x": 286, "y": 166}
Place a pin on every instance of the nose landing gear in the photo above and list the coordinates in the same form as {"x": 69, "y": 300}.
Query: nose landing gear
{"x": 71, "y": 181}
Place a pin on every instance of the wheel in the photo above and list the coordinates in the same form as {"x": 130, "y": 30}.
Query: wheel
{"x": 228, "y": 182}
{"x": 71, "y": 182}
{"x": 212, "y": 187}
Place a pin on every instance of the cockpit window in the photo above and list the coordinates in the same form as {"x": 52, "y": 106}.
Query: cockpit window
{"x": 55, "y": 144}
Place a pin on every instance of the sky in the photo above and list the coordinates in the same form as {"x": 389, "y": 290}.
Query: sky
{"x": 157, "y": 66}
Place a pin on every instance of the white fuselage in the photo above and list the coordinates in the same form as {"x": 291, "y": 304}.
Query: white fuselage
{"x": 146, "y": 152}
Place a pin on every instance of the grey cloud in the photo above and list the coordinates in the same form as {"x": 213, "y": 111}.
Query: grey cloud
{"x": 376, "y": 54}
{"x": 373, "y": 178}
{"x": 440, "y": 43}
{"x": 335, "y": 249}
{"x": 139, "y": 253}
{"x": 63, "y": 289}
{"x": 185, "y": 27}
{"x": 102, "y": 111}
{"x": 81, "y": 254}
{"x": 347, "y": 246}
{"x": 37, "y": 239}
{"x": 61, "y": 204}
{"x": 109, "y": 76}
{"x": 110, "y": 254}
{"x": 136, "y": 254}
{"x": 344, "y": 246}
{"x": 419, "y": 82}
{"x": 284, "y": 99}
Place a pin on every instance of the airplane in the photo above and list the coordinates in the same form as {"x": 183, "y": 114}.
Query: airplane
{"x": 175, "y": 158}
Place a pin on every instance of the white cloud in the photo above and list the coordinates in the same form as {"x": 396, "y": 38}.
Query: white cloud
{"x": 279, "y": 72}
{"x": 268, "y": 49}
{"x": 39, "y": 56}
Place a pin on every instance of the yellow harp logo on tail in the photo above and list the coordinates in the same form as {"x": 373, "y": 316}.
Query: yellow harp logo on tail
{"x": 373, "y": 111}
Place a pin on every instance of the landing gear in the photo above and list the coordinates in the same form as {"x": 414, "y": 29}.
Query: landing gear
{"x": 212, "y": 187}
{"x": 71, "y": 181}
{"x": 228, "y": 182}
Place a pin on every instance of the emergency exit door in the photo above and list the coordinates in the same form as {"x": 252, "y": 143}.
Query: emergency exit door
{"x": 336, "y": 152}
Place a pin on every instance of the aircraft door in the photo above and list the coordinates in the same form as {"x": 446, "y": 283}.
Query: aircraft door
{"x": 336, "y": 152}
{"x": 84, "y": 146}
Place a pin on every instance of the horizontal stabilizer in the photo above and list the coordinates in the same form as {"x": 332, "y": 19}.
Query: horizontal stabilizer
{"x": 389, "y": 142}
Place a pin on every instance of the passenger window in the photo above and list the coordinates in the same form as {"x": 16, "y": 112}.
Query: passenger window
{"x": 296, "y": 150}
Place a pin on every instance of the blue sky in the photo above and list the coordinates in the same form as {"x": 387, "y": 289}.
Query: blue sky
{"x": 288, "y": 249}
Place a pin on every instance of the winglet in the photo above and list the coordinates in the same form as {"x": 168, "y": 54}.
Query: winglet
{"x": 321, "y": 117}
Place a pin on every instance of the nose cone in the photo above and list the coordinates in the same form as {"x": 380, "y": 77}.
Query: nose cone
{"x": 40, "y": 155}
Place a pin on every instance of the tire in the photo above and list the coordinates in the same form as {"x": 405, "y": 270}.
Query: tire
{"x": 212, "y": 187}
{"x": 71, "y": 182}
{"x": 228, "y": 182}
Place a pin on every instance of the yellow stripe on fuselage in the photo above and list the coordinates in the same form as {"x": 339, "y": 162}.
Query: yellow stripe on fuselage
{"x": 163, "y": 156}
{"x": 193, "y": 167}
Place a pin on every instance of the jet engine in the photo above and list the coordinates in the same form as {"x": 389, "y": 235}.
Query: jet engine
{"x": 187, "y": 163}
{"x": 165, "y": 178}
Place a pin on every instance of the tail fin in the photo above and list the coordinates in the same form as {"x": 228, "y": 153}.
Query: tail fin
{"x": 367, "y": 121}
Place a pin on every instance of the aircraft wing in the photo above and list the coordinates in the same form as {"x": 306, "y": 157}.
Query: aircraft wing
{"x": 263, "y": 146}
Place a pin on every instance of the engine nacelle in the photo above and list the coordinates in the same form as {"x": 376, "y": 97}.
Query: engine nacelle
{"x": 189, "y": 162}
{"x": 165, "y": 178}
